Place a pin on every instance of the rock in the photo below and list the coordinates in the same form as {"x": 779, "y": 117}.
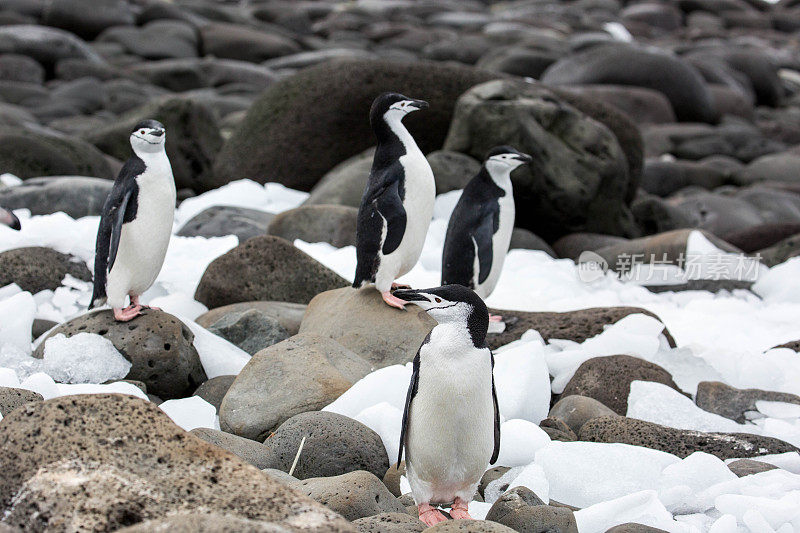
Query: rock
{"x": 782, "y": 166}
{"x": 41, "y": 326}
{"x": 87, "y": 18}
{"x": 214, "y": 390}
{"x": 569, "y": 164}
{"x": 45, "y": 45}
{"x": 360, "y": 321}
{"x": 344, "y": 184}
{"x": 680, "y": 442}
{"x": 780, "y": 252}
{"x": 196, "y": 73}
{"x": 27, "y": 154}
{"x": 15, "y": 67}
{"x": 522, "y": 239}
{"x": 37, "y": 268}
{"x": 221, "y": 220}
{"x": 571, "y": 325}
{"x": 159, "y": 39}
{"x": 733, "y": 403}
{"x": 286, "y": 118}
{"x": 250, "y": 330}
{"x": 193, "y": 138}
{"x": 663, "y": 178}
{"x": 608, "y": 379}
{"x": 334, "y": 445}
{"x": 747, "y": 467}
{"x": 312, "y": 57}
{"x": 622, "y": 64}
{"x": 756, "y": 238}
{"x": 576, "y": 410}
{"x": 248, "y": 450}
{"x": 523, "y": 511}
{"x": 289, "y": 315}
{"x": 632, "y": 527}
{"x": 264, "y": 268}
{"x": 452, "y": 170}
{"x": 158, "y": 345}
{"x": 643, "y": 106}
{"x": 12, "y": 398}
{"x": 574, "y": 244}
{"x": 491, "y": 475}
{"x": 662, "y": 16}
{"x": 517, "y": 61}
{"x": 239, "y": 42}
{"x": 192, "y": 522}
{"x": 353, "y": 495}
{"x": 282, "y": 476}
{"x": 557, "y": 429}
{"x": 392, "y": 478}
{"x": 105, "y": 461}
{"x": 303, "y": 373}
{"x": 400, "y": 522}
{"x": 735, "y": 139}
{"x": 334, "y": 224}
{"x": 469, "y": 526}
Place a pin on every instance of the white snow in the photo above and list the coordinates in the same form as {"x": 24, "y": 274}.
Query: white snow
{"x": 192, "y": 412}
{"x": 83, "y": 358}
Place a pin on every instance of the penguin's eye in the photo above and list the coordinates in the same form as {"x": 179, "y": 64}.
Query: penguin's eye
{"x": 438, "y": 300}
{"x": 142, "y": 132}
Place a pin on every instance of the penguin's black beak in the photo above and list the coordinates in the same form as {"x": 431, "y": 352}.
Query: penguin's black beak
{"x": 419, "y": 104}
{"x": 10, "y": 219}
{"x": 525, "y": 158}
{"x": 157, "y": 133}
{"x": 410, "y": 295}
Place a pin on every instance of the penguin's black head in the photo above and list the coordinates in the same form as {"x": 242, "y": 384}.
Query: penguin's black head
{"x": 452, "y": 303}
{"x": 148, "y": 136}
{"x": 506, "y": 158}
{"x": 9, "y": 219}
{"x": 394, "y": 105}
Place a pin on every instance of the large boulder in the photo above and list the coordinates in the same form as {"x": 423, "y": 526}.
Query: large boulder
{"x": 344, "y": 184}
{"x": 353, "y": 495}
{"x": 622, "y": 64}
{"x": 579, "y": 178}
{"x": 37, "y": 268}
{"x": 193, "y": 138}
{"x": 302, "y": 373}
{"x": 288, "y": 118}
{"x": 76, "y": 196}
{"x": 87, "y": 18}
{"x": 158, "y": 345}
{"x": 680, "y": 442}
{"x": 644, "y": 106}
{"x": 45, "y": 45}
{"x": 12, "y": 398}
{"x": 265, "y": 268}
{"x": 334, "y": 445}
{"x": 360, "y": 321}
{"x": 334, "y": 224}
{"x": 104, "y": 462}
{"x": 27, "y": 154}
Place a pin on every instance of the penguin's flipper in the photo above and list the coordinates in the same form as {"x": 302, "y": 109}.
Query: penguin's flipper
{"x": 390, "y": 206}
{"x": 412, "y": 391}
{"x": 116, "y": 230}
{"x": 483, "y": 239}
{"x": 496, "y": 451}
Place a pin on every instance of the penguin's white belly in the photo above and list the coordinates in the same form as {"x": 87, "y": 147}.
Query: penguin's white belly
{"x": 451, "y": 424}
{"x": 143, "y": 242}
{"x": 500, "y": 242}
{"x": 420, "y": 194}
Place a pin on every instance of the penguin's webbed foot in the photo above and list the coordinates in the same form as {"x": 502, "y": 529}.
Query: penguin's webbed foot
{"x": 393, "y": 301}
{"x": 127, "y": 314}
{"x": 396, "y": 286}
{"x": 460, "y": 510}
{"x": 430, "y": 515}
{"x": 495, "y": 318}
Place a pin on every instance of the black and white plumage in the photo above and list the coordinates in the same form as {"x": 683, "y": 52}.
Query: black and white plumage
{"x": 8, "y": 218}
{"x": 480, "y": 227}
{"x": 451, "y": 422}
{"x": 135, "y": 224}
{"x": 397, "y": 205}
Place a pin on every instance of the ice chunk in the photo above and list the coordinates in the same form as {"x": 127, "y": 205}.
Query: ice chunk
{"x": 523, "y": 382}
{"x": 586, "y": 473}
{"x": 724, "y": 524}
{"x": 532, "y": 477}
{"x": 385, "y": 420}
{"x": 11, "y": 356}
{"x": 780, "y": 283}
{"x": 190, "y": 413}
{"x": 83, "y": 358}
{"x": 8, "y": 378}
{"x": 41, "y": 383}
{"x": 639, "y": 507}
{"x": 519, "y": 441}
{"x": 479, "y": 510}
{"x": 388, "y": 384}
{"x": 774, "y": 511}
{"x": 16, "y": 320}
{"x": 681, "y": 482}
{"x": 778, "y": 409}
{"x": 218, "y": 356}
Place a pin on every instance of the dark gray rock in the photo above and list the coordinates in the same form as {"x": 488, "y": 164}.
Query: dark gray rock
{"x": 14, "y": 67}
{"x": 783, "y": 166}
{"x": 12, "y": 398}
{"x": 523, "y": 511}
{"x": 45, "y": 45}
{"x": 240, "y": 42}
{"x": 353, "y": 495}
{"x": 733, "y": 403}
{"x": 221, "y": 220}
{"x": 557, "y": 429}
{"x": 334, "y": 445}
{"x": 747, "y": 467}
{"x": 399, "y": 522}
{"x": 158, "y": 345}
{"x": 344, "y": 184}
{"x": 491, "y": 475}
{"x": 781, "y": 251}
{"x": 37, "y": 268}
{"x": 632, "y": 527}
{"x": 304, "y": 373}
{"x": 250, "y": 330}
{"x": 159, "y": 39}
{"x": 663, "y": 178}
{"x": 517, "y": 61}
{"x": 392, "y": 478}
{"x": 213, "y": 390}
{"x": 576, "y": 410}
{"x": 248, "y": 450}
{"x": 608, "y": 379}
{"x": 264, "y": 268}
{"x": 452, "y": 170}
{"x": 522, "y": 239}
{"x": 642, "y": 105}
{"x": 74, "y": 195}
{"x": 680, "y": 442}
{"x": 87, "y": 18}
{"x": 27, "y": 154}
{"x": 757, "y": 238}
{"x": 574, "y": 244}
{"x": 288, "y": 315}
{"x": 334, "y": 224}
{"x": 196, "y": 73}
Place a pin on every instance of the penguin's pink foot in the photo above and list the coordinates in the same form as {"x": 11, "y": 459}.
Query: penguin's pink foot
{"x": 495, "y": 318}
{"x": 135, "y": 301}
{"x": 127, "y": 314}
{"x": 430, "y": 515}
{"x": 392, "y": 300}
{"x": 460, "y": 510}
{"x": 400, "y": 286}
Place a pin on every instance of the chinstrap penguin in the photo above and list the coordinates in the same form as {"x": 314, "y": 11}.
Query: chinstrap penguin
{"x": 397, "y": 205}
{"x": 8, "y": 218}
{"x": 135, "y": 224}
{"x": 479, "y": 231}
{"x": 451, "y": 421}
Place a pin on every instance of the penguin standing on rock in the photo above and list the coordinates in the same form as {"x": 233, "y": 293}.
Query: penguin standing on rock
{"x": 135, "y": 224}
{"x": 479, "y": 231}
{"x": 9, "y": 219}
{"x": 451, "y": 422}
{"x": 397, "y": 205}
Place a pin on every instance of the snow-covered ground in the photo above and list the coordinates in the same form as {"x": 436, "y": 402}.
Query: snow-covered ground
{"x": 725, "y": 337}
